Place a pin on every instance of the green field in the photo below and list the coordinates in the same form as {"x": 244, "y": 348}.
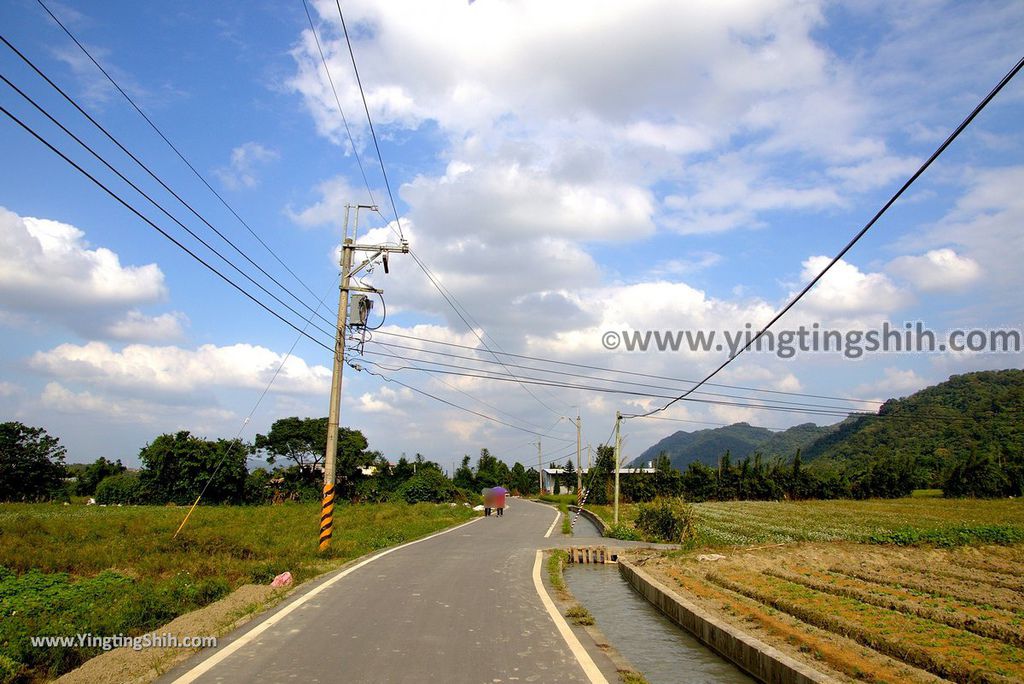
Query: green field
{"x": 66, "y": 570}
{"x": 943, "y": 522}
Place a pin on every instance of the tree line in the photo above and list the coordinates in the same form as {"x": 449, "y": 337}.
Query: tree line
{"x": 176, "y": 468}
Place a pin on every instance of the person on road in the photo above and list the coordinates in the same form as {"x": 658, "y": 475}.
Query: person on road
{"x": 499, "y": 494}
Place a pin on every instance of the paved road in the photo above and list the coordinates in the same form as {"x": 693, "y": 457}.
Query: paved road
{"x": 460, "y": 606}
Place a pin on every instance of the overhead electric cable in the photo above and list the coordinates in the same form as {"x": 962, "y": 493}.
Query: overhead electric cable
{"x": 153, "y": 225}
{"x": 854, "y": 240}
{"x": 175, "y": 149}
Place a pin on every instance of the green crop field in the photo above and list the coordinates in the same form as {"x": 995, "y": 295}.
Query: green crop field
{"x": 66, "y": 570}
{"x": 943, "y": 522}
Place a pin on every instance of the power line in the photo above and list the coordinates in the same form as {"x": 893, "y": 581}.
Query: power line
{"x": 856, "y": 238}
{"x": 449, "y": 299}
{"x": 248, "y": 418}
{"x": 464, "y": 393}
{"x": 824, "y": 411}
{"x": 543, "y": 370}
{"x": 576, "y": 375}
{"x": 621, "y": 372}
{"x": 173, "y": 147}
{"x": 153, "y": 225}
{"x": 548, "y": 383}
{"x": 450, "y": 403}
{"x": 447, "y": 295}
{"x": 369, "y": 121}
{"x": 151, "y": 200}
{"x": 337, "y": 100}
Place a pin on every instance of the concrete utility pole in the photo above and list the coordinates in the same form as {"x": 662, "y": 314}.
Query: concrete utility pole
{"x": 618, "y": 459}
{"x": 540, "y": 470}
{"x": 579, "y": 465}
{"x": 348, "y": 250}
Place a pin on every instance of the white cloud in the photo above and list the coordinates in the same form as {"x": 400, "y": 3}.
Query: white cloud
{"x": 847, "y": 291}
{"x": 47, "y": 265}
{"x": 48, "y": 271}
{"x": 334, "y": 194}
{"x": 515, "y": 202}
{"x": 246, "y": 159}
{"x": 161, "y": 416}
{"x": 138, "y": 327}
{"x": 732, "y": 191}
{"x": 8, "y": 389}
{"x": 151, "y": 370}
{"x": 938, "y": 270}
{"x": 895, "y": 382}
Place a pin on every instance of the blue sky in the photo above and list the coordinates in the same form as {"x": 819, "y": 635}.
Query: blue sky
{"x": 565, "y": 169}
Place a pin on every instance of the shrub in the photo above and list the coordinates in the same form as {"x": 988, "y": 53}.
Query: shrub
{"x": 428, "y": 485}
{"x": 9, "y": 669}
{"x": 623, "y": 531}
{"x": 669, "y": 520}
{"x": 579, "y": 615}
{"x": 119, "y": 489}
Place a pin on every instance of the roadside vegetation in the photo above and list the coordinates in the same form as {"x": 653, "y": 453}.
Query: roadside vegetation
{"x": 66, "y": 570}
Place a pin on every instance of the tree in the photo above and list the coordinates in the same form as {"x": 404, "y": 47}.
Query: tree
{"x": 122, "y": 488}
{"x": 979, "y": 476}
{"x": 463, "y": 477}
{"x": 491, "y": 471}
{"x": 95, "y": 473}
{"x": 569, "y": 475}
{"x": 699, "y": 482}
{"x": 303, "y": 441}
{"x": 520, "y": 483}
{"x": 31, "y": 463}
{"x": 177, "y": 468}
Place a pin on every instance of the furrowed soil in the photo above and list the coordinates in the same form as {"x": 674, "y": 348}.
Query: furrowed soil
{"x": 867, "y": 612}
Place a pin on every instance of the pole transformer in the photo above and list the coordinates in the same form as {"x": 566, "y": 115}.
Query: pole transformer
{"x": 348, "y": 249}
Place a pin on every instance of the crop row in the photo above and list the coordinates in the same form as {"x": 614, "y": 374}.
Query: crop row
{"x": 943, "y": 650}
{"x": 977, "y": 593}
{"x": 989, "y": 622}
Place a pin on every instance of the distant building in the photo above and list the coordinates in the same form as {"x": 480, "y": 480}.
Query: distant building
{"x": 549, "y": 475}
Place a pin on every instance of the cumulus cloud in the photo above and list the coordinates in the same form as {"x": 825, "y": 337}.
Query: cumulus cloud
{"x": 334, "y": 194}
{"x": 246, "y": 160}
{"x": 895, "y": 382}
{"x": 155, "y": 370}
{"x": 49, "y": 271}
{"x": 847, "y": 291}
{"x": 48, "y": 265}
{"x": 937, "y": 270}
{"x": 136, "y": 326}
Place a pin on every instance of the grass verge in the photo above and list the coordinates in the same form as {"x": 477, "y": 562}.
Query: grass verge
{"x": 66, "y": 570}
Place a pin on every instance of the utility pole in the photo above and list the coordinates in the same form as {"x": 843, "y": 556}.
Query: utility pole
{"x": 618, "y": 460}
{"x": 579, "y": 465}
{"x": 540, "y": 470}
{"x": 588, "y": 457}
{"x": 348, "y": 250}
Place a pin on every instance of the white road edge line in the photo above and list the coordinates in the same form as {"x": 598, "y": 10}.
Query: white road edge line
{"x": 208, "y": 664}
{"x": 558, "y": 514}
{"x": 590, "y": 669}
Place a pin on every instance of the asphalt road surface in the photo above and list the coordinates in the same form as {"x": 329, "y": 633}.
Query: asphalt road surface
{"x": 459, "y": 606}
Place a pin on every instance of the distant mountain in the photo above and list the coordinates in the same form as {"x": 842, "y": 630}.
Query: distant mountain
{"x": 740, "y": 439}
{"x": 971, "y": 413}
{"x": 786, "y": 442}
{"x": 974, "y": 413}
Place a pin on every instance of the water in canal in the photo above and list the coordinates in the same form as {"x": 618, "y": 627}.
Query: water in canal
{"x": 663, "y": 652}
